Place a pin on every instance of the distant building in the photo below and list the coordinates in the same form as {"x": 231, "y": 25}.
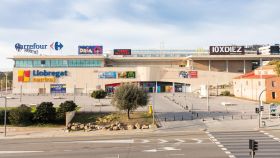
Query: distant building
{"x": 250, "y": 85}
{"x": 269, "y": 50}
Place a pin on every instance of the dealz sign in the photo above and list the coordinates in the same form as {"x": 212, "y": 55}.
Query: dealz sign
{"x": 227, "y": 50}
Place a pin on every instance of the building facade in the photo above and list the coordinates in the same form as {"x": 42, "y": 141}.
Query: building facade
{"x": 167, "y": 71}
{"x": 262, "y": 83}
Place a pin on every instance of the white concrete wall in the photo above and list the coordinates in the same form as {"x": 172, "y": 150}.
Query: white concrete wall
{"x": 87, "y": 78}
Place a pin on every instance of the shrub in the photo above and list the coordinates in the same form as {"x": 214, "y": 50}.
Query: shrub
{"x": 2, "y": 113}
{"x": 225, "y": 93}
{"x": 65, "y": 107}
{"x": 21, "y": 116}
{"x": 98, "y": 94}
{"x": 45, "y": 113}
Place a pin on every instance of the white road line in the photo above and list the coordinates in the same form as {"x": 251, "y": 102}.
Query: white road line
{"x": 179, "y": 141}
{"x": 231, "y": 156}
{"x": 151, "y": 151}
{"x": 125, "y": 141}
{"x": 198, "y": 141}
{"x": 217, "y": 142}
{"x": 162, "y": 141}
{"x": 221, "y": 146}
{"x": 271, "y": 136}
{"x": 19, "y": 152}
{"x": 224, "y": 149}
{"x": 145, "y": 141}
{"x": 170, "y": 148}
{"x": 228, "y": 152}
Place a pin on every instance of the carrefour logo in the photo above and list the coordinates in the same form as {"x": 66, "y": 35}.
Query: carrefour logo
{"x": 33, "y": 48}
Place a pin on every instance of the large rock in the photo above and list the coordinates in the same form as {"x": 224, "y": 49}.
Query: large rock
{"x": 81, "y": 127}
{"x": 137, "y": 126}
{"x": 145, "y": 127}
{"x": 74, "y": 127}
{"x": 130, "y": 127}
{"x": 115, "y": 128}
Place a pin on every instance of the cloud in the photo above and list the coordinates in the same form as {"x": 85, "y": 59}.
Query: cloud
{"x": 136, "y": 24}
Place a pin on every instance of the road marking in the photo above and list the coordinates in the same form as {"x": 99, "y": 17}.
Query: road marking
{"x": 125, "y": 141}
{"x": 198, "y": 141}
{"x": 152, "y": 150}
{"x": 114, "y": 157}
{"x": 221, "y": 146}
{"x": 231, "y": 156}
{"x": 162, "y": 141}
{"x": 161, "y": 149}
{"x": 19, "y": 152}
{"x": 224, "y": 149}
{"x": 179, "y": 141}
{"x": 145, "y": 141}
{"x": 170, "y": 148}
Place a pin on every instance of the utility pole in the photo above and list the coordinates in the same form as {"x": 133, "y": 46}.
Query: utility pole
{"x": 207, "y": 88}
{"x": 6, "y": 74}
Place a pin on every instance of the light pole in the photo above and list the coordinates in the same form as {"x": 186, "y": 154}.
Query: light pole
{"x": 5, "y": 114}
{"x": 153, "y": 104}
{"x": 6, "y": 74}
{"x": 260, "y": 102}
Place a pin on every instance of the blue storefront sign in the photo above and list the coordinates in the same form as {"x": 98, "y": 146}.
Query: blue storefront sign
{"x": 58, "y": 88}
{"x": 90, "y": 50}
{"x": 109, "y": 74}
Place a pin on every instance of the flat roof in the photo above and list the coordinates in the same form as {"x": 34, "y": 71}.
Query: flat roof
{"x": 58, "y": 57}
{"x": 123, "y": 58}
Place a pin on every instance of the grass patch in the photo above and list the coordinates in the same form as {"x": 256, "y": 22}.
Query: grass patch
{"x": 107, "y": 118}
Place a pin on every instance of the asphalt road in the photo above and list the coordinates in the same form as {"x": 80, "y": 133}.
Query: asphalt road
{"x": 155, "y": 145}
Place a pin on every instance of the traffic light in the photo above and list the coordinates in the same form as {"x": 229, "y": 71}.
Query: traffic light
{"x": 257, "y": 110}
{"x": 253, "y": 145}
{"x": 261, "y": 108}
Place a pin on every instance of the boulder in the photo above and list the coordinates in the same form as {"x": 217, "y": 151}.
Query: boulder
{"x": 74, "y": 127}
{"x": 130, "y": 127}
{"x": 137, "y": 126}
{"x": 115, "y": 128}
{"x": 145, "y": 127}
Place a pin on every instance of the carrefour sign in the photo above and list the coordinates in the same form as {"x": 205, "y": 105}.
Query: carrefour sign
{"x": 34, "y": 48}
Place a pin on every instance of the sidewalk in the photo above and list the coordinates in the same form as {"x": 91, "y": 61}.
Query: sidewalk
{"x": 50, "y": 132}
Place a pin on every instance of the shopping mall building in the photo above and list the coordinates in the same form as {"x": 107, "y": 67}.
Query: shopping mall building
{"x": 161, "y": 70}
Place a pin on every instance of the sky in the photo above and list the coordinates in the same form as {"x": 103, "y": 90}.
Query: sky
{"x": 135, "y": 24}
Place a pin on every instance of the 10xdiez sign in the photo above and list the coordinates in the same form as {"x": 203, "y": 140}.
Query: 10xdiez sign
{"x": 227, "y": 50}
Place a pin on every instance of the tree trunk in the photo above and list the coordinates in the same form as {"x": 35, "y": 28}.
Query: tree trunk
{"x": 128, "y": 114}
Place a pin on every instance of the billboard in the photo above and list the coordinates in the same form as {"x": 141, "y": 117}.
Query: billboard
{"x": 58, "y": 88}
{"x": 122, "y": 51}
{"x": 127, "y": 74}
{"x": 95, "y": 50}
{"x": 188, "y": 74}
{"x": 109, "y": 74}
{"x": 227, "y": 50}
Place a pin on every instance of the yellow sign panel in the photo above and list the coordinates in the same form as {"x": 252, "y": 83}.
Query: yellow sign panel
{"x": 43, "y": 79}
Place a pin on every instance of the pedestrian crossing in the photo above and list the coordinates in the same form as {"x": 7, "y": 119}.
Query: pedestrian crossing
{"x": 236, "y": 143}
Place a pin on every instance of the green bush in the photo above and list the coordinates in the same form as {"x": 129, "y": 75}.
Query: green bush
{"x": 225, "y": 93}
{"x": 98, "y": 94}
{"x": 2, "y": 113}
{"x": 65, "y": 107}
{"x": 45, "y": 113}
{"x": 21, "y": 116}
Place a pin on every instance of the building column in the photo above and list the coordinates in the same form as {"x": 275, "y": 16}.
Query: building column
{"x": 244, "y": 66}
{"x": 227, "y": 65}
{"x": 209, "y": 65}
{"x": 156, "y": 87}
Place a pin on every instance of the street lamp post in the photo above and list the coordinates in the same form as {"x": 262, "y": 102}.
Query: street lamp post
{"x": 6, "y": 74}
{"x": 260, "y": 102}
{"x": 5, "y": 113}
